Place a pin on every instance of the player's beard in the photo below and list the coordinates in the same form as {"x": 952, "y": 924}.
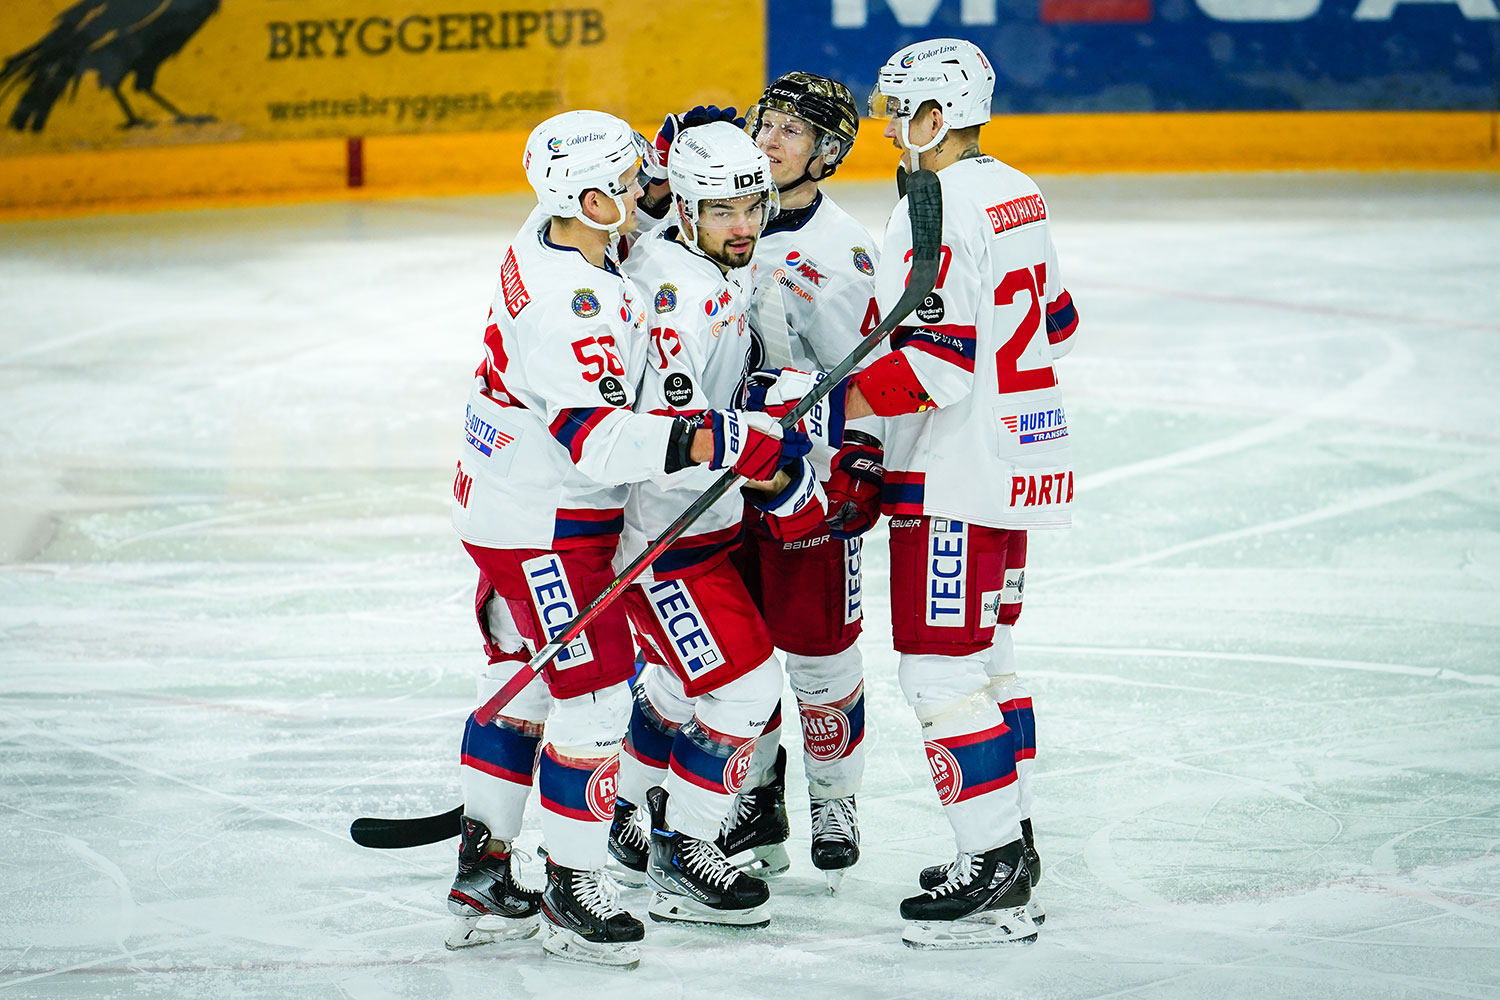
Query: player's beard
{"x": 731, "y": 259}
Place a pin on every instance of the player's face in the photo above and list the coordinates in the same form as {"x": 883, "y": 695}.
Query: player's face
{"x": 923, "y": 127}
{"x": 631, "y": 191}
{"x": 728, "y": 228}
{"x": 788, "y": 142}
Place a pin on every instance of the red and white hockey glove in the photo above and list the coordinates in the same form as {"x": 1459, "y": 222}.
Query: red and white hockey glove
{"x": 854, "y": 486}
{"x": 777, "y": 390}
{"x": 796, "y": 510}
{"x": 752, "y": 444}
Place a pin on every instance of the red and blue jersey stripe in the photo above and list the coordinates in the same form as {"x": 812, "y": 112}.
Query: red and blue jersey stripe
{"x": 564, "y": 785}
{"x": 1062, "y": 318}
{"x": 701, "y": 755}
{"x": 573, "y": 426}
{"x": 1022, "y": 723}
{"x": 902, "y": 493}
{"x": 576, "y": 527}
{"x": 697, "y": 551}
{"x": 953, "y": 343}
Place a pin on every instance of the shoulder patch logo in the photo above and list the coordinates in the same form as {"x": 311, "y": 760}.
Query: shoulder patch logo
{"x": 666, "y": 297}
{"x": 862, "y": 262}
{"x": 585, "y": 303}
{"x": 612, "y": 391}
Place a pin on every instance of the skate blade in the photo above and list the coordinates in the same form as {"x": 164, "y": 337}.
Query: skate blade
{"x": 762, "y": 862}
{"x": 835, "y": 878}
{"x": 1036, "y": 911}
{"x": 466, "y": 932}
{"x": 565, "y": 945}
{"x": 627, "y": 877}
{"x": 978, "y": 930}
{"x": 669, "y": 907}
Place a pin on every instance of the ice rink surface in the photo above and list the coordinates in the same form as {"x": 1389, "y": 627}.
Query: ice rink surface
{"x": 1266, "y": 659}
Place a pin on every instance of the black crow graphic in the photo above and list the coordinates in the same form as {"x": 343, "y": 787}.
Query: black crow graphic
{"x": 114, "y": 38}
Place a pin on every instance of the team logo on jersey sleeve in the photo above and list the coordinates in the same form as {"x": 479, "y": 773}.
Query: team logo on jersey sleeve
{"x": 862, "y": 262}
{"x": 666, "y": 297}
{"x": 678, "y": 389}
{"x": 585, "y": 303}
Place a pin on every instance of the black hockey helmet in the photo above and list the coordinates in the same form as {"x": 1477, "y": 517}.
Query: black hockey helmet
{"x": 822, "y": 102}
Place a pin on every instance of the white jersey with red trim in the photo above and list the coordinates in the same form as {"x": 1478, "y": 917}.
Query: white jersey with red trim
{"x": 823, "y": 263}
{"x": 696, "y": 360}
{"x": 995, "y": 449}
{"x": 549, "y": 430}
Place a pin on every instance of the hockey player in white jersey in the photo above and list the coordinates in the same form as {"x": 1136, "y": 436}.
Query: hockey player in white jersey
{"x": 548, "y": 430}
{"x": 977, "y": 454}
{"x": 714, "y": 679}
{"x": 815, "y": 301}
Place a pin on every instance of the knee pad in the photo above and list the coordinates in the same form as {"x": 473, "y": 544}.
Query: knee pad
{"x": 823, "y": 680}
{"x": 935, "y": 684}
{"x": 590, "y": 726}
{"x": 746, "y": 704}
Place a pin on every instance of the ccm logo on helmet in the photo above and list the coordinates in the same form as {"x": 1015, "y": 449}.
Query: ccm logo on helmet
{"x": 756, "y": 179}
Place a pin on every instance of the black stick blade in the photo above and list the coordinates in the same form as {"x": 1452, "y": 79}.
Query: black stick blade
{"x": 388, "y": 834}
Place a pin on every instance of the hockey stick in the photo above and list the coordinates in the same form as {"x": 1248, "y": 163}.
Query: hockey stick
{"x": 371, "y": 831}
{"x": 925, "y": 209}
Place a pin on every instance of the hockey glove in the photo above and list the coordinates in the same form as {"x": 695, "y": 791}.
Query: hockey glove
{"x": 854, "y": 486}
{"x": 777, "y": 390}
{"x": 752, "y": 444}
{"x": 689, "y": 119}
{"x": 796, "y": 510}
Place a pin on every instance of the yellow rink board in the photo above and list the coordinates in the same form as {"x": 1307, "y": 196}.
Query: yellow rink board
{"x": 452, "y": 162}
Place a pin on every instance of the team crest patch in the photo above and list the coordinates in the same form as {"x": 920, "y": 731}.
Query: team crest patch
{"x": 947, "y": 776}
{"x": 600, "y": 793}
{"x": 585, "y": 303}
{"x": 666, "y": 298}
{"x": 738, "y": 767}
{"x": 825, "y": 732}
{"x": 862, "y": 262}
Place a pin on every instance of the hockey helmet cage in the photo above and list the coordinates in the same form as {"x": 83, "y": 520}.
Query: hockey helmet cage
{"x": 951, "y": 71}
{"x": 823, "y": 103}
{"x": 579, "y": 151}
{"x": 718, "y": 161}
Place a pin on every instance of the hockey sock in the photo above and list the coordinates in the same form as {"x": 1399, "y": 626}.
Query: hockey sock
{"x": 706, "y": 769}
{"x": 1014, "y": 702}
{"x": 763, "y": 760}
{"x": 496, "y": 764}
{"x": 832, "y": 744}
{"x": 969, "y": 750}
{"x": 648, "y": 748}
{"x": 578, "y": 801}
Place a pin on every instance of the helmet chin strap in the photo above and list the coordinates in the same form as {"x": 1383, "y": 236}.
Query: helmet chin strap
{"x": 913, "y": 152}
{"x": 613, "y": 228}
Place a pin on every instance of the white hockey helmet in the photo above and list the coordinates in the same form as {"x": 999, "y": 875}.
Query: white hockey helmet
{"x": 580, "y": 151}
{"x": 718, "y": 161}
{"x": 951, "y": 71}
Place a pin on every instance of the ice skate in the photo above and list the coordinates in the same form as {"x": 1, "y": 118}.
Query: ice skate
{"x": 835, "y": 838}
{"x": 935, "y": 875}
{"x": 982, "y": 902}
{"x": 486, "y": 902}
{"x": 755, "y": 833}
{"x": 629, "y": 846}
{"x": 694, "y": 883}
{"x": 582, "y": 921}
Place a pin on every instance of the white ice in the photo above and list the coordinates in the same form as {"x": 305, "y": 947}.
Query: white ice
{"x": 233, "y": 615}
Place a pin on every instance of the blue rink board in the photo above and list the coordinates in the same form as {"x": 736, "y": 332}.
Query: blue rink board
{"x": 1176, "y": 57}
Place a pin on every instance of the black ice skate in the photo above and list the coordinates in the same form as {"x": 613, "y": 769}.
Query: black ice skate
{"x": 934, "y": 875}
{"x": 981, "y": 902}
{"x": 835, "y": 838}
{"x": 583, "y": 922}
{"x": 485, "y": 890}
{"x": 755, "y": 834}
{"x": 694, "y": 882}
{"x": 629, "y": 846}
